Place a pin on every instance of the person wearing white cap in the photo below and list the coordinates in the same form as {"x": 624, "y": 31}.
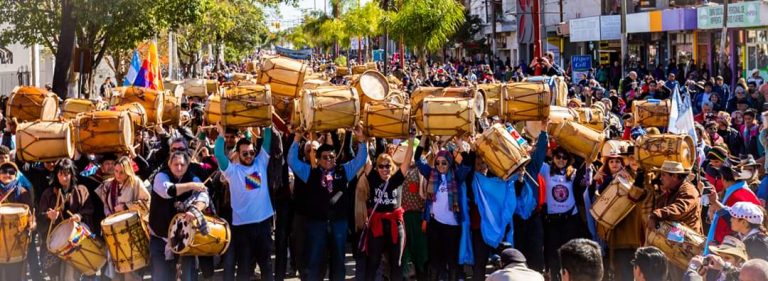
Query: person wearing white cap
{"x": 755, "y": 77}
{"x": 747, "y": 223}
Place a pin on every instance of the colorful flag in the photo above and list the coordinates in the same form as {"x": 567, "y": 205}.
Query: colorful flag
{"x": 681, "y": 115}
{"x": 142, "y": 79}
{"x": 133, "y": 71}
{"x": 155, "y": 80}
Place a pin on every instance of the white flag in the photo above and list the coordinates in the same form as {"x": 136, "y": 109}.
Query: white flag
{"x": 681, "y": 116}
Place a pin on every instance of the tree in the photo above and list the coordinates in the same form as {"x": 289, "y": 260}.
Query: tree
{"x": 365, "y": 21}
{"x": 426, "y": 25}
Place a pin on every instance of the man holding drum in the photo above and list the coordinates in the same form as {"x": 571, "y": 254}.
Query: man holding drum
{"x": 679, "y": 200}
{"x": 251, "y": 205}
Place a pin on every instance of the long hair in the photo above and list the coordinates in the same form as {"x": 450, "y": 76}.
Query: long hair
{"x": 569, "y": 169}
{"x": 64, "y": 165}
{"x": 127, "y": 166}
{"x": 606, "y": 169}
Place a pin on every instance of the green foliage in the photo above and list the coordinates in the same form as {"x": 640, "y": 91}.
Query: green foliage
{"x": 426, "y": 25}
{"x": 341, "y": 60}
{"x": 365, "y": 20}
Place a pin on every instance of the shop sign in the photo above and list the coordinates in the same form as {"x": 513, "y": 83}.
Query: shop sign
{"x": 580, "y": 65}
{"x": 640, "y": 22}
{"x": 742, "y": 14}
{"x": 610, "y": 27}
{"x": 585, "y": 29}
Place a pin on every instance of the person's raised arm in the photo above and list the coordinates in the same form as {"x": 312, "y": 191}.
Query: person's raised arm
{"x": 408, "y": 156}
{"x": 358, "y": 162}
{"x": 300, "y": 168}
{"x": 421, "y": 164}
{"x": 219, "y": 150}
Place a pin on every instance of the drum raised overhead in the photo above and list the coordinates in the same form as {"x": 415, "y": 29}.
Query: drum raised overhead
{"x": 74, "y": 106}
{"x": 371, "y": 85}
{"x": 501, "y": 151}
{"x": 652, "y": 150}
{"x": 284, "y": 75}
{"x": 651, "y": 113}
{"x": 578, "y": 139}
{"x": 45, "y": 141}
{"x": 151, "y": 100}
{"x": 213, "y": 109}
{"x": 330, "y": 108}
{"x": 447, "y": 116}
{"x": 137, "y": 112}
{"x": 103, "y": 132}
{"x": 387, "y": 120}
{"x": 31, "y": 104}
{"x": 526, "y": 101}
{"x": 246, "y": 106}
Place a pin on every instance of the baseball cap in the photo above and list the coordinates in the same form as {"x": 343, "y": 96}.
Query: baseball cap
{"x": 512, "y": 255}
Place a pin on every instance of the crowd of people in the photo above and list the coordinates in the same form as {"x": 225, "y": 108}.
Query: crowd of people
{"x": 422, "y": 208}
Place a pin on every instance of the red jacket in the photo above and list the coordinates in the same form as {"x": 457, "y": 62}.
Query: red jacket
{"x": 741, "y": 195}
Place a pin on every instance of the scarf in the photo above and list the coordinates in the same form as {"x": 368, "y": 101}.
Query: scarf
{"x": 5, "y": 188}
{"x": 435, "y": 180}
{"x": 112, "y": 194}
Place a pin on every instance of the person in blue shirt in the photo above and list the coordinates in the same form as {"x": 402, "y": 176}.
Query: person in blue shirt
{"x": 251, "y": 204}
{"x": 325, "y": 185}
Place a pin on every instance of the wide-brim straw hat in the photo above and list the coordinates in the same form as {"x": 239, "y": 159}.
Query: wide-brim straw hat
{"x": 672, "y": 167}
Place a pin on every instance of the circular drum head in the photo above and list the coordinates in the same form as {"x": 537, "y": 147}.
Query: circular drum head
{"x": 479, "y": 107}
{"x": 60, "y": 235}
{"x": 307, "y": 112}
{"x": 180, "y": 233}
{"x": 11, "y": 209}
{"x": 119, "y": 217}
{"x": 374, "y": 85}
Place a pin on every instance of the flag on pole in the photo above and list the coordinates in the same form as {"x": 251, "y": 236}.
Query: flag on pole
{"x": 154, "y": 77}
{"x": 681, "y": 116}
{"x": 133, "y": 71}
{"x": 142, "y": 79}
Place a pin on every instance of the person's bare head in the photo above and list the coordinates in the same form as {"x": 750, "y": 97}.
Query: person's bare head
{"x": 754, "y": 270}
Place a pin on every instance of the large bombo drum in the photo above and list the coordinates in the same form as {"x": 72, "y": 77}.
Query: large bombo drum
{"x": 387, "y": 120}
{"x": 651, "y": 113}
{"x": 246, "y": 106}
{"x": 464, "y": 92}
{"x": 578, "y": 139}
{"x": 678, "y": 242}
{"x": 195, "y": 88}
{"x": 418, "y": 95}
{"x": 171, "y": 109}
{"x": 137, "y": 112}
{"x": 592, "y": 117}
{"x": 74, "y": 106}
{"x": 330, "y": 108}
{"x": 31, "y": 104}
{"x": 557, "y": 86}
{"x": 447, "y": 116}
{"x": 186, "y": 239}
{"x": 502, "y": 151}
{"x": 612, "y": 206}
{"x": 493, "y": 94}
{"x": 285, "y": 76}
{"x": 652, "y": 150}
{"x": 14, "y": 221}
{"x": 151, "y": 100}
{"x": 103, "y": 132}
{"x": 127, "y": 240}
{"x": 213, "y": 109}
{"x": 45, "y": 141}
{"x": 371, "y": 85}
{"x": 74, "y": 243}
{"x": 527, "y": 101}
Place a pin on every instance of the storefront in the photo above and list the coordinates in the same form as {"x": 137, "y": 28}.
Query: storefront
{"x": 657, "y": 37}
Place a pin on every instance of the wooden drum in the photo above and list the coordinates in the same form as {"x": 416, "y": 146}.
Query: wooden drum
{"x": 246, "y": 106}
{"x": 418, "y": 96}
{"x": 592, "y": 117}
{"x": 578, "y": 139}
{"x": 213, "y": 110}
{"x": 14, "y": 221}
{"x": 137, "y": 112}
{"x": 447, "y": 116}
{"x": 285, "y": 76}
{"x": 493, "y": 94}
{"x": 652, "y": 150}
{"x": 330, "y": 108}
{"x": 526, "y": 101}
{"x": 127, "y": 239}
{"x": 74, "y": 106}
{"x": 371, "y": 85}
{"x": 195, "y": 88}
{"x": 31, "y": 103}
{"x": 612, "y": 205}
{"x": 652, "y": 113}
{"x": 186, "y": 239}
{"x": 74, "y": 243}
{"x": 103, "y": 132}
{"x": 685, "y": 245}
{"x": 151, "y": 100}
{"x": 171, "y": 110}
{"x": 502, "y": 151}
{"x": 45, "y": 141}
{"x": 387, "y": 120}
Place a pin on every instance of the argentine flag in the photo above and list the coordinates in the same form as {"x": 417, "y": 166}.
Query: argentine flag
{"x": 133, "y": 72}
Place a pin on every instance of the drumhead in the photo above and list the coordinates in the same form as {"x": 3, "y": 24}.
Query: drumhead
{"x": 13, "y": 209}
{"x": 307, "y": 110}
{"x": 180, "y": 233}
{"x": 120, "y": 217}
{"x": 374, "y": 85}
{"x": 479, "y": 106}
{"x": 60, "y": 235}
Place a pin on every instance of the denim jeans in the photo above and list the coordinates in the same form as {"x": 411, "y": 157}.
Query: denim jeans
{"x": 163, "y": 270}
{"x": 319, "y": 232}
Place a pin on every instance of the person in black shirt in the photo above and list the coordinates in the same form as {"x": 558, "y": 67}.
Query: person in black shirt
{"x": 385, "y": 227}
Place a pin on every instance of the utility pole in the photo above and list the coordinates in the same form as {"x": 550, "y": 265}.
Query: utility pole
{"x": 535, "y": 13}
{"x": 624, "y": 55}
{"x": 723, "y": 39}
{"x": 493, "y": 30}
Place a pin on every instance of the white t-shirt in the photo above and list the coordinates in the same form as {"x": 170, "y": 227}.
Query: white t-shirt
{"x": 560, "y": 197}
{"x": 441, "y": 208}
{"x": 249, "y": 190}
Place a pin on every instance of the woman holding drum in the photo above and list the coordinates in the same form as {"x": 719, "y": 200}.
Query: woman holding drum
{"x": 65, "y": 199}
{"x": 123, "y": 192}
{"x": 175, "y": 190}
{"x": 17, "y": 204}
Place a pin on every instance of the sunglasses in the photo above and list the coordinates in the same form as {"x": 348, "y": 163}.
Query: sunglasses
{"x": 249, "y": 153}
{"x": 178, "y": 149}
{"x": 8, "y": 171}
{"x": 385, "y": 166}
{"x": 329, "y": 157}
{"x": 560, "y": 156}
{"x": 441, "y": 163}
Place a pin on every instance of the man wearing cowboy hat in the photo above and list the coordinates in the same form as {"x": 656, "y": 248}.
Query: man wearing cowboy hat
{"x": 679, "y": 201}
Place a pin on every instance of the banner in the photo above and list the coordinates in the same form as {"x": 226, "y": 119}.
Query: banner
{"x": 304, "y": 54}
{"x": 681, "y": 116}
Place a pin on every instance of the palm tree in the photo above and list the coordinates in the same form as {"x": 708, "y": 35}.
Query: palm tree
{"x": 365, "y": 21}
{"x": 426, "y": 25}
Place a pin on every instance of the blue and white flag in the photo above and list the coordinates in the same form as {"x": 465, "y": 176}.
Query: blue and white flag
{"x": 681, "y": 116}
{"x": 133, "y": 71}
